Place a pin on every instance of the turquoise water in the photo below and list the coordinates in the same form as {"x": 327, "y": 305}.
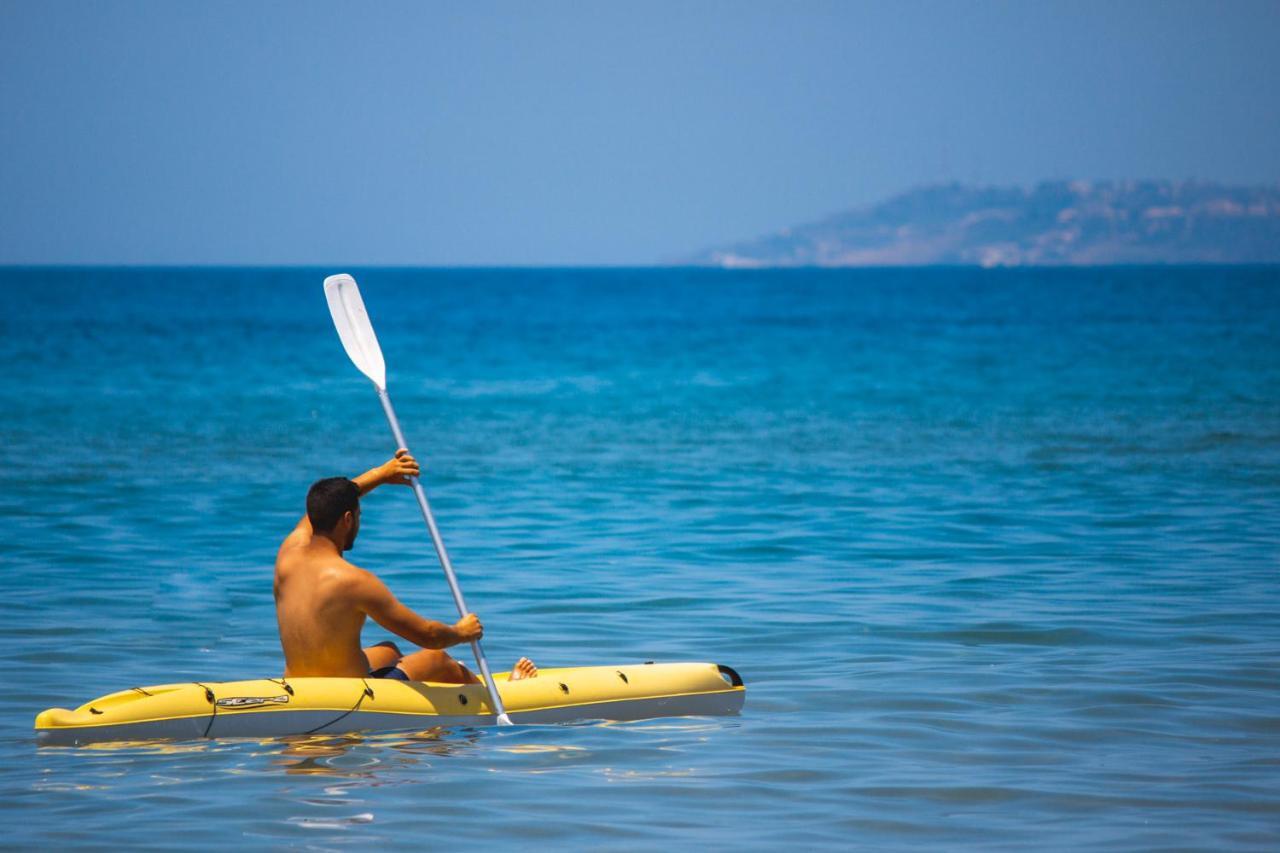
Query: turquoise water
{"x": 996, "y": 552}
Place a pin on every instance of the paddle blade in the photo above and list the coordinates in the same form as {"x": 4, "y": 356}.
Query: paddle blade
{"x": 354, "y": 328}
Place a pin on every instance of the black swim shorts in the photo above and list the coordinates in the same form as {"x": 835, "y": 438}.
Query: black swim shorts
{"x": 392, "y": 671}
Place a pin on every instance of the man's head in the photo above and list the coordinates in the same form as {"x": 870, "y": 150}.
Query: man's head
{"x": 333, "y": 505}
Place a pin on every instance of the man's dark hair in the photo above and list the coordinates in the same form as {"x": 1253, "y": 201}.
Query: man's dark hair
{"x": 328, "y": 499}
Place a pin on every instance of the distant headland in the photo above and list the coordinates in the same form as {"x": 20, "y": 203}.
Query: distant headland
{"x": 1060, "y": 223}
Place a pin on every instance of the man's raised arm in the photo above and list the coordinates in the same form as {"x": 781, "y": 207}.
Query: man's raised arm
{"x": 397, "y": 470}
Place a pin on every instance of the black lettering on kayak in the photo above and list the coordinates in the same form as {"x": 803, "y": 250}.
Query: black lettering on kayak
{"x": 252, "y": 701}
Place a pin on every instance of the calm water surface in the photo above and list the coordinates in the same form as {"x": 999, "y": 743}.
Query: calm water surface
{"x": 996, "y": 552}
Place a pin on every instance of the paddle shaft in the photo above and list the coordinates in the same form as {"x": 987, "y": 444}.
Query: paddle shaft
{"x": 494, "y": 698}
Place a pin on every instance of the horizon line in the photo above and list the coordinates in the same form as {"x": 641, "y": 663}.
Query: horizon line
{"x": 44, "y": 266}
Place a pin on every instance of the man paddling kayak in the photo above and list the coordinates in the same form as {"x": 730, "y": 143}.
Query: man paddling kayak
{"x": 322, "y": 600}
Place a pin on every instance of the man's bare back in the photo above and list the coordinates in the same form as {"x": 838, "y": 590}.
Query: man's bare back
{"x": 322, "y": 600}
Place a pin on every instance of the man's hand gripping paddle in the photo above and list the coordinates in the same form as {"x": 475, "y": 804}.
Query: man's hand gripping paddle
{"x": 356, "y": 332}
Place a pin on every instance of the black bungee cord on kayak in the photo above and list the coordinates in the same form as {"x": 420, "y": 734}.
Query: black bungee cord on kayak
{"x": 287, "y": 688}
{"x": 367, "y": 693}
{"x": 208, "y": 694}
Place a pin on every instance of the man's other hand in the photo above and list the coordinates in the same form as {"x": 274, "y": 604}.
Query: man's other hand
{"x": 400, "y": 468}
{"x": 469, "y": 628}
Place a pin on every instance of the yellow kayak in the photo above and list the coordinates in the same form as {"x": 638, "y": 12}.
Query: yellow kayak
{"x": 269, "y": 707}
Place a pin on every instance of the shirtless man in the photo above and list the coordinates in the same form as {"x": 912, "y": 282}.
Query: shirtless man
{"x": 322, "y": 600}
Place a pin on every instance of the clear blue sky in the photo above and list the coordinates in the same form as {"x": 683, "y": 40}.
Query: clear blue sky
{"x": 586, "y": 133}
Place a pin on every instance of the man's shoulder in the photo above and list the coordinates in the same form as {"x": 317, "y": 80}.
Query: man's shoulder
{"x": 297, "y": 539}
{"x": 347, "y": 575}
{"x": 329, "y": 566}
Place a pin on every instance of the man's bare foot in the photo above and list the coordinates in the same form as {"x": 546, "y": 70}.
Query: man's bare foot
{"x": 523, "y": 669}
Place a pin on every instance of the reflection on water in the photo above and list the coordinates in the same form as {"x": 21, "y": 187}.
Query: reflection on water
{"x": 320, "y": 755}
{"x": 532, "y": 748}
{"x": 332, "y": 755}
{"x": 151, "y": 746}
{"x": 331, "y": 823}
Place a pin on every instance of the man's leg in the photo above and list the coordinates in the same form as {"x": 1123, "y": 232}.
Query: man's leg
{"x": 435, "y": 665}
{"x": 383, "y": 654}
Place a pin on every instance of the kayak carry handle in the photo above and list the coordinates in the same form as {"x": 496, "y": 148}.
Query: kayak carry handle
{"x": 735, "y": 680}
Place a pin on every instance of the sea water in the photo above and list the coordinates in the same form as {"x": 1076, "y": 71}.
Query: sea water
{"x": 997, "y": 552}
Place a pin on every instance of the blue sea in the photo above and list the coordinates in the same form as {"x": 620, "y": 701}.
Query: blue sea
{"x": 996, "y": 552}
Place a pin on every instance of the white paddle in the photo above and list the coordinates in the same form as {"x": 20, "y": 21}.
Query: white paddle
{"x": 356, "y": 332}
